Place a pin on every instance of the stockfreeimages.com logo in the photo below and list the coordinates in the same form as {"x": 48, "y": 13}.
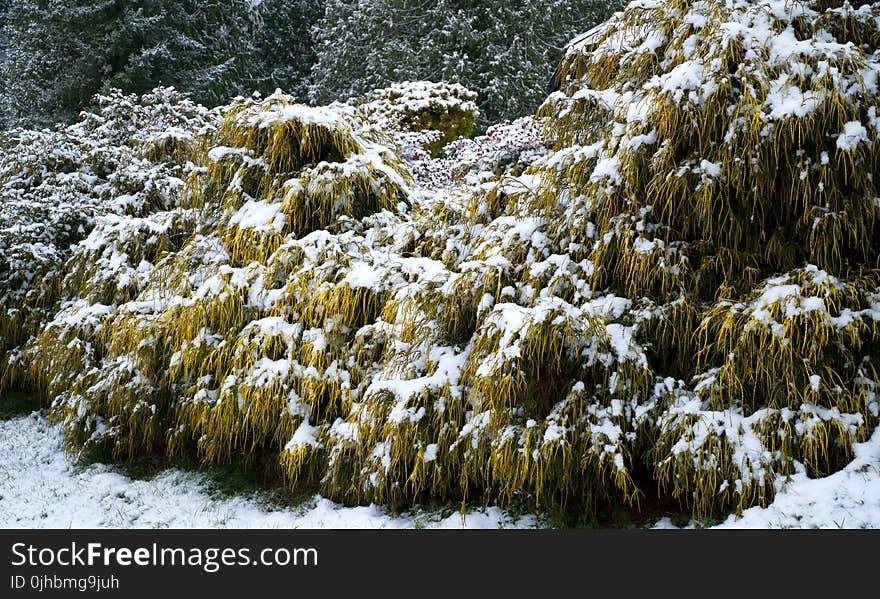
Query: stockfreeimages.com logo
{"x": 210, "y": 559}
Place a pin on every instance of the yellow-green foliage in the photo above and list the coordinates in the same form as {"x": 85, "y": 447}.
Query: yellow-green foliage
{"x": 76, "y": 359}
{"x": 719, "y": 159}
{"x": 276, "y": 168}
{"x": 216, "y": 334}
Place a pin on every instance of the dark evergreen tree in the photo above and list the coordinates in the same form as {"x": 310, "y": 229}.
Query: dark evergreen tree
{"x": 57, "y": 55}
{"x": 283, "y": 52}
{"x": 62, "y": 52}
{"x": 504, "y": 50}
{"x": 202, "y": 47}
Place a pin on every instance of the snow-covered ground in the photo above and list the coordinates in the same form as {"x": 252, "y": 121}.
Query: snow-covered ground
{"x": 41, "y": 486}
{"x": 847, "y": 499}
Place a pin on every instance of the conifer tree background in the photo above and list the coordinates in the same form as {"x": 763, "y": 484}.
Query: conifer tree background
{"x": 504, "y": 51}
{"x": 62, "y": 53}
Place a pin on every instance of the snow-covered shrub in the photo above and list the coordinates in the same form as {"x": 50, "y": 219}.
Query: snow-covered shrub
{"x": 128, "y": 158}
{"x": 417, "y": 106}
{"x": 719, "y": 159}
{"x": 215, "y": 331}
{"x": 505, "y": 149}
{"x": 468, "y": 163}
{"x": 328, "y": 315}
{"x": 278, "y": 167}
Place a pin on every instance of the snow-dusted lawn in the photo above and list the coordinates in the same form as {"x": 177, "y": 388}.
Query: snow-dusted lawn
{"x": 40, "y": 486}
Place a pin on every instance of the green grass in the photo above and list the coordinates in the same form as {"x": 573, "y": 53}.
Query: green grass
{"x": 221, "y": 480}
{"x": 14, "y": 404}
